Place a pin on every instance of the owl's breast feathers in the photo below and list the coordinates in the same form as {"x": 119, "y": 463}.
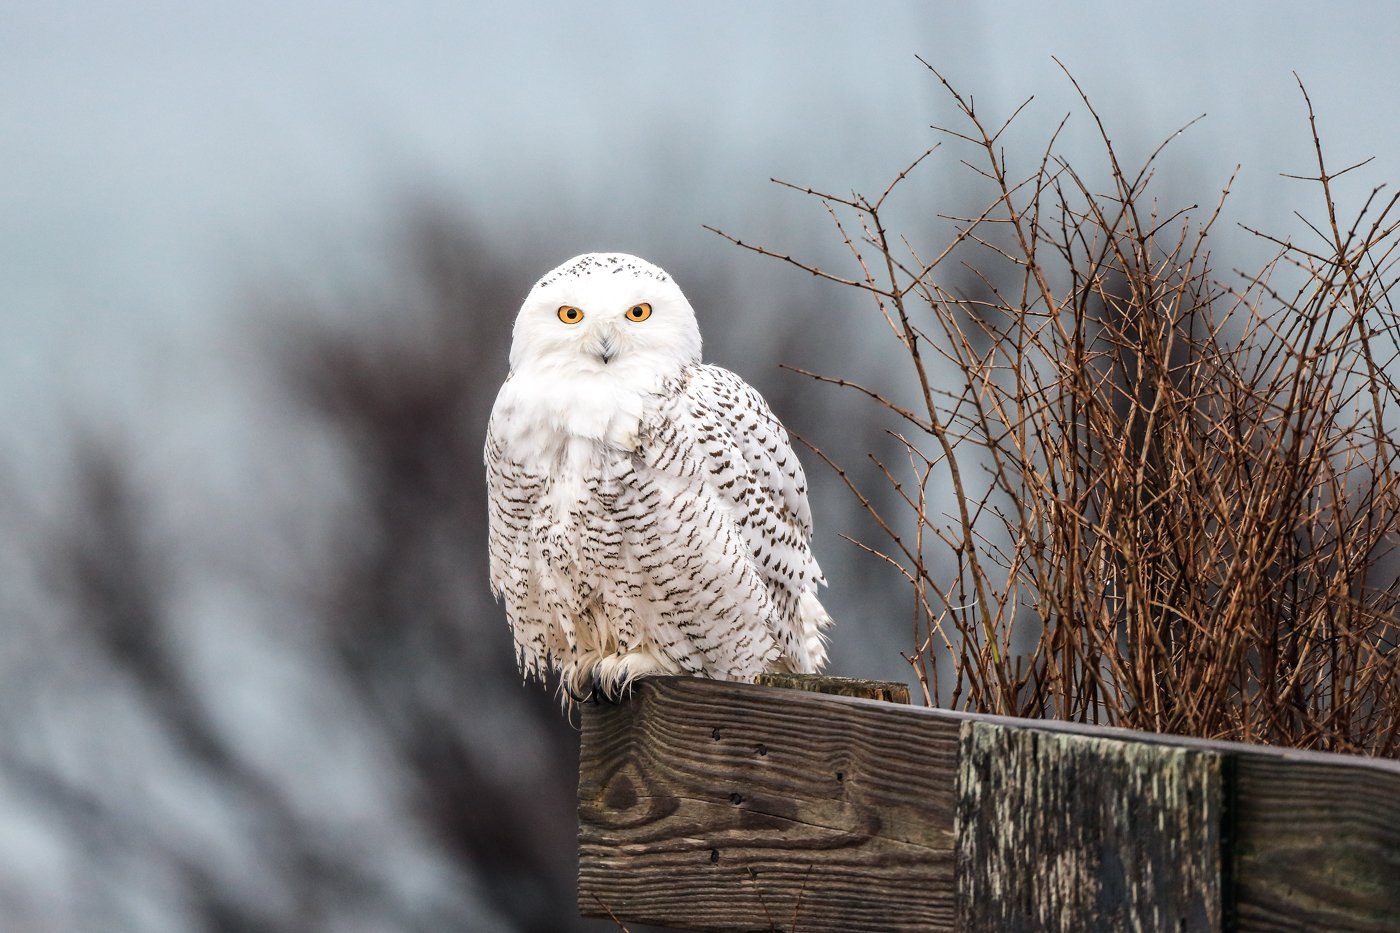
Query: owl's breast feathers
{"x": 665, "y": 531}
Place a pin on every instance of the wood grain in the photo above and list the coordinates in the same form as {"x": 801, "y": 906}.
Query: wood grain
{"x": 739, "y": 807}
{"x": 1317, "y": 843}
{"x": 1058, "y": 831}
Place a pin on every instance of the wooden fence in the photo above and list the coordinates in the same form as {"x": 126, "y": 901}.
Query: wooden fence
{"x": 720, "y": 806}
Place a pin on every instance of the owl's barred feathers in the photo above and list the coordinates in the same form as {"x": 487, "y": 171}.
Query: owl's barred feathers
{"x": 647, "y": 512}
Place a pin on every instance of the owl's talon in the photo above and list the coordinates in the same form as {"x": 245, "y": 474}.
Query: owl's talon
{"x": 591, "y": 695}
{"x": 599, "y": 692}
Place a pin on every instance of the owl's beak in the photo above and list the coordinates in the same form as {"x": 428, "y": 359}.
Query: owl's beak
{"x": 606, "y": 346}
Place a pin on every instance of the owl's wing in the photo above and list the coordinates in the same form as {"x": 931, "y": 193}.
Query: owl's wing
{"x": 754, "y": 468}
{"x": 718, "y": 438}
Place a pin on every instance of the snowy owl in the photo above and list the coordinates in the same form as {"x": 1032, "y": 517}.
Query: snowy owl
{"x": 647, "y": 512}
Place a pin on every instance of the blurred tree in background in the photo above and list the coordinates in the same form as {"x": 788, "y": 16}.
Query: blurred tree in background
{"x": 300, "y": 710}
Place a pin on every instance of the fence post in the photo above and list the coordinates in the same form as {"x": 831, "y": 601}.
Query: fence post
{"x": 1057, "y": 828}
{"x": 723, "y": 806}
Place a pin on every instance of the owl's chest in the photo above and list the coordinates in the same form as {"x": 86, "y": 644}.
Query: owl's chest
{"x": 555, "y": 421}
{"x": 588, "y": 444}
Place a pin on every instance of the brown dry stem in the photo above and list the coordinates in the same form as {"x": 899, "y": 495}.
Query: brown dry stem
{"x": 1174, "y": 501}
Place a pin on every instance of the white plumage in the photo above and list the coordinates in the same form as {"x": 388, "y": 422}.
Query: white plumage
{"x": 647, "y": 512}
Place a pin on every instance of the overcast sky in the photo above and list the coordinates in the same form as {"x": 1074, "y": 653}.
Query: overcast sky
{"x": 157, "y": 154}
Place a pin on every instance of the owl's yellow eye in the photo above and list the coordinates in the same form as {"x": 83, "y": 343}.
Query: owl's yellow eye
{"x": 570, "y": 315}
{"x": 639, "y": 312}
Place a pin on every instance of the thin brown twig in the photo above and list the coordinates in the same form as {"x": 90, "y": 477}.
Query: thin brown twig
{"x": 1173, "y": 500}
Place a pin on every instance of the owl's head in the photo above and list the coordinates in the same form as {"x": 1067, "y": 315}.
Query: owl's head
{"x": 606, "y": 313}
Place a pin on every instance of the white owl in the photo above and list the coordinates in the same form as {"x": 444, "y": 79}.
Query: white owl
{"x": 647, "y": 512}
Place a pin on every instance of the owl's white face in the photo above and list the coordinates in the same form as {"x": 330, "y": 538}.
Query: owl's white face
{"x": 606, "y": 315}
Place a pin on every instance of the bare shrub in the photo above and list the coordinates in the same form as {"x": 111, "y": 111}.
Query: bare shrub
{"x": 1174, "y": 499}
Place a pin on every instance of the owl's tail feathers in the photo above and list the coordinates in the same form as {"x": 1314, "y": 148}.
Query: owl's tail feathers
{"x": 813, "y": 620}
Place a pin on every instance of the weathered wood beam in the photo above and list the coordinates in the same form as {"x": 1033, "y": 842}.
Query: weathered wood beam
{"x": 719, "y": 806}
{"x": 734, "y": 807}
{"x": 1316, "y": 842}
{"x": 1057, "y": 828}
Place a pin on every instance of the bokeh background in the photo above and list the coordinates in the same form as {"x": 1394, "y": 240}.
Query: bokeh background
{"x": 258, "y": 266}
